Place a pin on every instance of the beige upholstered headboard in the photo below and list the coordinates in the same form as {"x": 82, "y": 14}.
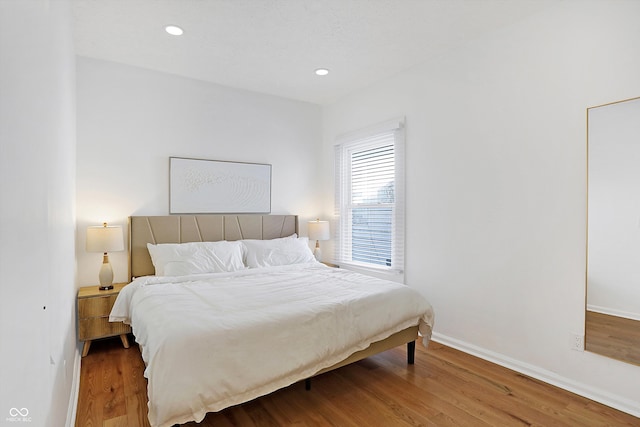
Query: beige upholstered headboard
{"x": 199, "y": 228}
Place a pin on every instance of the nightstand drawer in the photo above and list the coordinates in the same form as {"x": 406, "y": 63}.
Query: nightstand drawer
{"x": 95, "y": 307}
{"x": 100, "y": 327}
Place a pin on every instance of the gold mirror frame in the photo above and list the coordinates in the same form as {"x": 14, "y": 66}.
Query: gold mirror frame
{"x": 608, "y": 332}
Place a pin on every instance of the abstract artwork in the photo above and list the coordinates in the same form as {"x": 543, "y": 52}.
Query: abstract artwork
{"x": 214, "y": 186}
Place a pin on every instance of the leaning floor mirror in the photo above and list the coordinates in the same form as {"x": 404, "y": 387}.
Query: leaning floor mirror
{"x": 613, "y": 231}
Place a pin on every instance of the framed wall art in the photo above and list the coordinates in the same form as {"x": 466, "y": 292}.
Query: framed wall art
{"x": 215, "y": 186}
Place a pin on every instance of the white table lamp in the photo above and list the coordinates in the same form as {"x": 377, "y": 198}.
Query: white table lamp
{"x": 105, "y": 239}
{"x": 318, "y": 230}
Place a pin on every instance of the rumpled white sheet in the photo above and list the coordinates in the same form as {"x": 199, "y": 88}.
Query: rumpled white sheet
{"x": 211, "y": 341}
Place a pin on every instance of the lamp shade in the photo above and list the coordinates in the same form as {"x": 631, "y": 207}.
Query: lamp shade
{"x": 105, "y": 238}
{"x": 319, "y": 230}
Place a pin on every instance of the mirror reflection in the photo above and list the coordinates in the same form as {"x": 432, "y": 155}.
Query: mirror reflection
{"x": 613, "y": 249}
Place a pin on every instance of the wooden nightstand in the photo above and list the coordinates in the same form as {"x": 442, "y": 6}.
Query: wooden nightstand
{"x": 94, "y": 306}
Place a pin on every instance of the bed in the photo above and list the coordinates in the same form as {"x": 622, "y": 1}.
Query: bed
{"x": 257, "y": 323}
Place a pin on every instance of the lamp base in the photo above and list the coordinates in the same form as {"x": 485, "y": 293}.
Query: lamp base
{"x": 106, "y": 274}
{"x": 317, "y": 252}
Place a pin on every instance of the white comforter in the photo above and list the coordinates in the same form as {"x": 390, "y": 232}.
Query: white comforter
{"x": 215, "y": 340}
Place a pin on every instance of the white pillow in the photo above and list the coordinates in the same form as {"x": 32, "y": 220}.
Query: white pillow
{"x": 282, "y": 251}
{"x": 179, "y": 259}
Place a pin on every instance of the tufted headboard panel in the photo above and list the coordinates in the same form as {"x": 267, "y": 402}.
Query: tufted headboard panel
{"x": 199, "y": 228}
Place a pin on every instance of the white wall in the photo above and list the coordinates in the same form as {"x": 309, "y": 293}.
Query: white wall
{"x": 131, "y": 120}
{"x": 37, "y": 193}
{"x": 496, "y": 185}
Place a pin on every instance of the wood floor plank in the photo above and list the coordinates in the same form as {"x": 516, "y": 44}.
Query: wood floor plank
{"x": 113, "y": 386}
{"x": 259, "y": 415}
{"x": 132, "y": 371}
{"x": 325, "y": 413}
{"x": 461, "y": 388}
{"x": 137, "y": 410}
{"x": 121, "y": 421}
{"x": 505, "y": 403}
{"x": 613, "y": 336}
{"x": 240, "y": 417}
{"x": 366, "y": 409}
{"x": 445, "y": 387}
{"x": 90, "y": 404}
{"x": 536, "y": 393}
{"x": 287, "y": 411}
{"x": 400, "y": 398}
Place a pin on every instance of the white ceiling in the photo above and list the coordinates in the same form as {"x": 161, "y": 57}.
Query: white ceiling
{"x": 273, "y": 46}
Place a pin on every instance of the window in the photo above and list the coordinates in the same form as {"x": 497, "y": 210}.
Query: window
{"x": 370, "y": 198}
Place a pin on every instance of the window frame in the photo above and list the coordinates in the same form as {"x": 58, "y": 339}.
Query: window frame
{"x": 391, "y": 132}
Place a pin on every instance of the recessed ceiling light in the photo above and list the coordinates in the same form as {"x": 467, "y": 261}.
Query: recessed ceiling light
{"x": 322, "y": 72}
{"x": 174, "y": 30}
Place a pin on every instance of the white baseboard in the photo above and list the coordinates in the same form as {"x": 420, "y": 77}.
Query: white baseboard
{"x": 75, "y": 388}
{"x": 593, "y": 393}
{"x": 613, "y": 312}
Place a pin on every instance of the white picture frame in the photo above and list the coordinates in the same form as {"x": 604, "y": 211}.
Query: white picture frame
{"x": 216, "y": 186}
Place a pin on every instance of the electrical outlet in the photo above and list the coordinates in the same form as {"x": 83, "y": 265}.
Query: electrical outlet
{"x": 577, "y": 342}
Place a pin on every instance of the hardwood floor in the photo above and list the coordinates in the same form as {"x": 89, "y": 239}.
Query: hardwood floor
{"x": 445, "y": 387}
{"x": 613, "y": 336}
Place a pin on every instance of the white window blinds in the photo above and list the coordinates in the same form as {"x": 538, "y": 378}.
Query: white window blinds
{"x": 370, "y": 199}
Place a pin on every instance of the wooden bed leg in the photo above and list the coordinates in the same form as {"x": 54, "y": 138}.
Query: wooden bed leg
{"x": 307, "y": 384}
{"x": 411, "y": 352}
